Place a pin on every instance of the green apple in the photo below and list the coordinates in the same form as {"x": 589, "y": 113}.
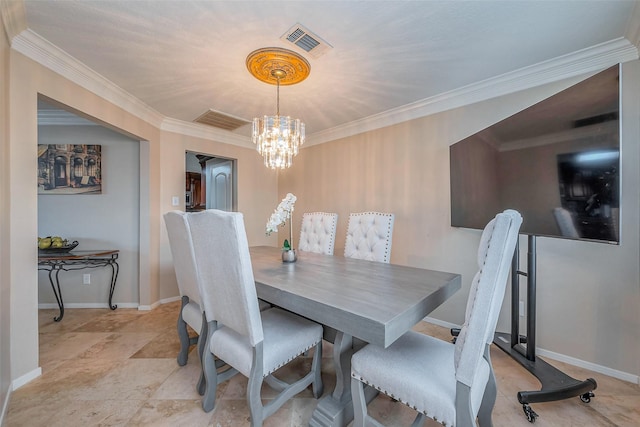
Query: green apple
{"x": 45, "y": 243}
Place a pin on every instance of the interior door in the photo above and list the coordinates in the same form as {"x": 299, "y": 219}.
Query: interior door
{"x": 220, "y": 184}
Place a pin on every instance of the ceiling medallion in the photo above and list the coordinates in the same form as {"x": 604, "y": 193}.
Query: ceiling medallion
{"x": 262, "y": 62}
{"x": 277, "y": 138}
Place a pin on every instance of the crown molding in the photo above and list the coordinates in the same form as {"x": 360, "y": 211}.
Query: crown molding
{"x": 578, "y": 63}
{"x": 206, "y": 132}
{"x": 633, "y": 28}
{"x": 50, "y": 56}
{"x": 14, "y": 17}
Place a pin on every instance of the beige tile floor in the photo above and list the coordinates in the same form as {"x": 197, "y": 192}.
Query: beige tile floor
{"x": 118, "y": 368}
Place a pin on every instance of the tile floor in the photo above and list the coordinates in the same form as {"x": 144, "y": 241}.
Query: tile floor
{"x": 118, "y": 368}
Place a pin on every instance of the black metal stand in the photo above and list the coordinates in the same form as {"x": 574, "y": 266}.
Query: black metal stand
{"x": 556, "y": 385}
{"x": 78, "y": 260}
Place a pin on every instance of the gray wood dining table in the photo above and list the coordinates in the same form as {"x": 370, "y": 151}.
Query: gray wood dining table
{"x": 355, "y": 300}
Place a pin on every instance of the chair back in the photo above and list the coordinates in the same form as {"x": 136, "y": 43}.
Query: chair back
{"x": 182, "y": 253}
{"x": 495, "y": 253}
{"x": 565, "y": 222}
{"x": 224, "y": 268}
{"x": 318, "y": 232}
{"x": 369, "y": 236}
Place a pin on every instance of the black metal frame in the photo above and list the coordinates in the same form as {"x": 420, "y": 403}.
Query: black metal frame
{"x": 556, "y": 385}
{"x": 67, "y": 262}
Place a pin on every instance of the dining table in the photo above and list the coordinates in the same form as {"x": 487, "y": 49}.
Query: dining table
{"x": 356, "y": 301}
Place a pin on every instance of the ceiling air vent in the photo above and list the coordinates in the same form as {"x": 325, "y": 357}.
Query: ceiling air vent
{"x": 219, "y": 120}
{"x": 306, "y": 40}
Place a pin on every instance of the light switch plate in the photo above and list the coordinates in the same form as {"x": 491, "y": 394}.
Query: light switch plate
{"x": 175, "y": 201}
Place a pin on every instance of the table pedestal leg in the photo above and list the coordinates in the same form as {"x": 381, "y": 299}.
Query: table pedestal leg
{"x": 336, "y": 409}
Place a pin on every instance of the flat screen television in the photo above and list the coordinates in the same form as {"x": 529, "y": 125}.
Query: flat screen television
{"x": 556, "y": 162}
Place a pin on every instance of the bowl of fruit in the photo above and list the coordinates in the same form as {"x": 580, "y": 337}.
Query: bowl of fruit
{"x": 55, "y": 245}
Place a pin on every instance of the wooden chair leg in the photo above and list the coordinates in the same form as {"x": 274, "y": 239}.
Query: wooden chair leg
{"x": 318, "y": 386}
{"x": 202, "y": 340}
{"x": 183, "y": 335}
{"x": 253, "y": 388}
{"x": 489, "y": 397}
{"x": 359, "y": 403}
{"x": 210, "y": 373}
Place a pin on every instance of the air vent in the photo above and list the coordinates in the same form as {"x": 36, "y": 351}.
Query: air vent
{"x": 304, "y": 39}
{"x": 594, "y": 120}
{"x": 219, "y": 120}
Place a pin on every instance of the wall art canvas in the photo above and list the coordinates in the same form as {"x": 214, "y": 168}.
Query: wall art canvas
{"x": 69, "y": 169}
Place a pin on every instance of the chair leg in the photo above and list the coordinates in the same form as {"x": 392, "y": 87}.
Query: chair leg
{"x": 210, "y": 374}
{"x": 202, "y": 339}
{"x": 464, "y": 413}
{"x": 253, "y": 388}
{"x": 318, "y": 386}
{"x": 183, "y": 335}
{"x": 489, "y": 396}
{"x": 359, "y": 403}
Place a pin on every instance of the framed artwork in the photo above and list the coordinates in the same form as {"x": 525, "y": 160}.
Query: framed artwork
{"x": 69, "y": 169}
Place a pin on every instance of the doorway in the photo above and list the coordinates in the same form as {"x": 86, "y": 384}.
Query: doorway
{"x": 210, "y": 182}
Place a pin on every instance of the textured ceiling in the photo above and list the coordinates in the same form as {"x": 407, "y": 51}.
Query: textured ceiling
{"x": 185, "y": 57}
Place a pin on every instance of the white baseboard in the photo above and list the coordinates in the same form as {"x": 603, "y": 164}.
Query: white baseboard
{"x": 625, "y": 376}
{"x": 439, "y": 322}
{"x": 172, "y": 299}
{"x": 158, "y": 303}
{"x": 46, "y": 305}
{"x": 20, "y": 381}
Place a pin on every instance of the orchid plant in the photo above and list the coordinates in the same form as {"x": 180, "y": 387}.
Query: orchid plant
{"x": 279, "y": 217}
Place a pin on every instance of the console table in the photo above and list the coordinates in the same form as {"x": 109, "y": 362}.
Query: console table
{"x": 78, "y": 260}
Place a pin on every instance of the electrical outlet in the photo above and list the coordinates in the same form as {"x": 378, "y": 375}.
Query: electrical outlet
{"x": 86, "y": 279}
{"x": 521, "y": 308}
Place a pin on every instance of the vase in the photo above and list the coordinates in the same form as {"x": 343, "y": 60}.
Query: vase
{"x": 289, "y": 255}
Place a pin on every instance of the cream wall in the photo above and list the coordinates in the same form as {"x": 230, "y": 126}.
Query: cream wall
{"x": 588, "y": 294}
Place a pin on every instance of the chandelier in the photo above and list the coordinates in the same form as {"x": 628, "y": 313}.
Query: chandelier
{"x": 277, "y": 138}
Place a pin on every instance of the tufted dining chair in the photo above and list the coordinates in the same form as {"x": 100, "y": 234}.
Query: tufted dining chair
{"x": 191, "y": 311}
{"x": 318, "y": 232}
{"x": 252, "y": 342}
{"x": 451, "y": 383}
{"x": 369, "y": 236}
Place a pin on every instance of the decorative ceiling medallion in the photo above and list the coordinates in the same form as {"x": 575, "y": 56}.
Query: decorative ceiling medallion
{"x": 271, "y": 64}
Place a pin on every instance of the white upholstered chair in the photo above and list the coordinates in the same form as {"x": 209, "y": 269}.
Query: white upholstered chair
{"x": 191, "y": 311}
{"x": 450, "y": 383}
{"x": 252, "y": 342}
{"x": 318, "y": 232}
{"x": 369, "y": 236}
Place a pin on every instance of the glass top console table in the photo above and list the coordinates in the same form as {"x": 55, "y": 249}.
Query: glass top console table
{"x": 78, "y": 260}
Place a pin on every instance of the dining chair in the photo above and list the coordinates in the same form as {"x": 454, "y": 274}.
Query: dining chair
{"x": 566, "y": 223}
{"x": 451, "y": 383}
{"x": 191, "y": 311}
{"x": 369, "y": 236}
{"x": 318, "y": 232}
{"x": 251, "y": 342}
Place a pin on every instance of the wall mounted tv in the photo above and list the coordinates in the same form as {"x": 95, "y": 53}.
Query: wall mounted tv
{"x": 556, "y": 162}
